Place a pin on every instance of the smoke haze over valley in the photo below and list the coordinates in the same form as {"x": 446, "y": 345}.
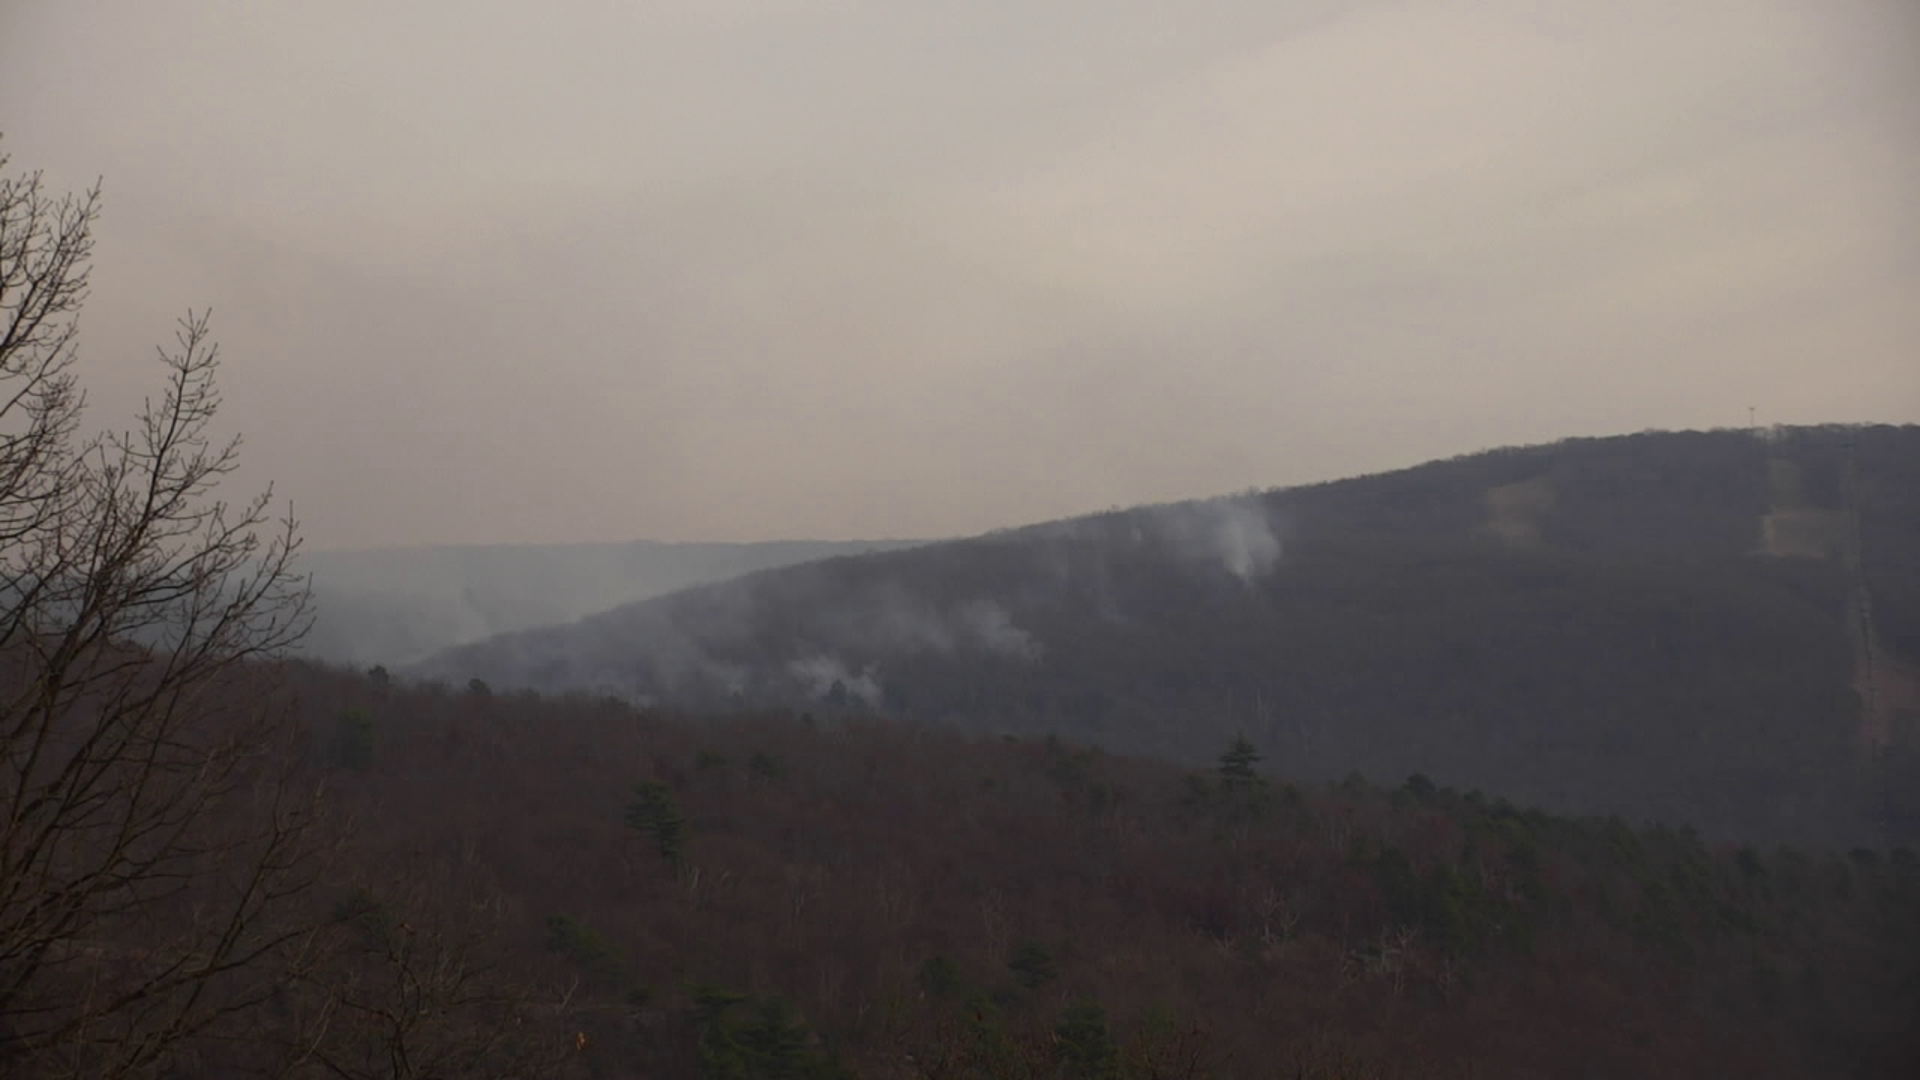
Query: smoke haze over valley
{"x": 1337, "y": 539}
{"x": 1617, "y": 626}
{"x": 396, "y": 605}
{"x": 859, "y": 615}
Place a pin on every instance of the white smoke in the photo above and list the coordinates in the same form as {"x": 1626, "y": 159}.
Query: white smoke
{"x": 820, "y": 673}
{"x": 892, "y": 619}
{"x": 1233, "y": 533}
{"x": 887, "y": 619}
{"x": 1245, "y": 540}
{"x": 731, "y": 678}
{"x": 990, "y": 627}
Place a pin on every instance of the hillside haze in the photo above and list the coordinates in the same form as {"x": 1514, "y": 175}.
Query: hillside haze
{"x": 1709, "y": 628}
{"x": 398, "y": 605}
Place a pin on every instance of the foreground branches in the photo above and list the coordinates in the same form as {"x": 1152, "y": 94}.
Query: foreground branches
{"x": 149, "y": 831}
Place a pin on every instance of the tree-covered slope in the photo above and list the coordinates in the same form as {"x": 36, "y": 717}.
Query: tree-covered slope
{"x": 834, "y": 896}
{"x": 1661, "y": 626}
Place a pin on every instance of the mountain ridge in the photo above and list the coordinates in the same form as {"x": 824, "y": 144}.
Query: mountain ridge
{"x": 1652, "y": 625}
{"x": 397, "y": 604}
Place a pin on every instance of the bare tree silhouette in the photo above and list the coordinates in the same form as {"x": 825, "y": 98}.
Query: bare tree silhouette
{"x": 150, "y": 828}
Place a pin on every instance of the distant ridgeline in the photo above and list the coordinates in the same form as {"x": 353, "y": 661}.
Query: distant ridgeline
{"x": 397, "y": 605}
{"x": 1715, "y": 628}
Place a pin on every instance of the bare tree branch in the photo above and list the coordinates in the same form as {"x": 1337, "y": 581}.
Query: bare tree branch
{"x": 154, "y": 846}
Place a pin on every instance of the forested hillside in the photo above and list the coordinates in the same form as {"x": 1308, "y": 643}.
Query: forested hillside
{"x": 627, "y": 895}
{"x": 1712, "y": 628}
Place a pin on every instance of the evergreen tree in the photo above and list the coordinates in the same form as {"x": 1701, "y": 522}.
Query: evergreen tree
{"x": 654, "y": 812}
{"x": 1084, "y": 1047}
{"x": 1033, "y": 966}
{"x": 353, "y": 741}
{"x": 774, "y": 1043}
{"x": 1238, "y": 761}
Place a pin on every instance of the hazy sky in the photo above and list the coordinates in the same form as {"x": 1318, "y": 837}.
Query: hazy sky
{"x": 742, "y": 269}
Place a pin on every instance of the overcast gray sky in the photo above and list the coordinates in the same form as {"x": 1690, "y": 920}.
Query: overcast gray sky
{"x": 744, "y": 269}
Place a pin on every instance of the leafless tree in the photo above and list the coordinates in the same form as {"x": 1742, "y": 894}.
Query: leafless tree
{"x": 409, "y": 983}
{"x": 150, "y": 833}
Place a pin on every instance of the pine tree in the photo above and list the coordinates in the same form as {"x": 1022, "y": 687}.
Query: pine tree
{"x": 1238, "y": 761}
{"x": 353, "y": 740}
{"x": 1084, "y": 1046}
{"x": 654, "y": 812}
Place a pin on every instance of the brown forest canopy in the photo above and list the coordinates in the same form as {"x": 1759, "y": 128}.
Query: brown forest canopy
{"x": 914, "y": 903}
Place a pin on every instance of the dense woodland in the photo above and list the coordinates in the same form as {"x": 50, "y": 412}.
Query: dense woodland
{"x": 1717, "y": 629}
{"x": 498, "y": 885}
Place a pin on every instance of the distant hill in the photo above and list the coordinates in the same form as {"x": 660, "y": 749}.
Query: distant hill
{"x": 397, "y": 605}
{"x": 1715, "y": 628}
